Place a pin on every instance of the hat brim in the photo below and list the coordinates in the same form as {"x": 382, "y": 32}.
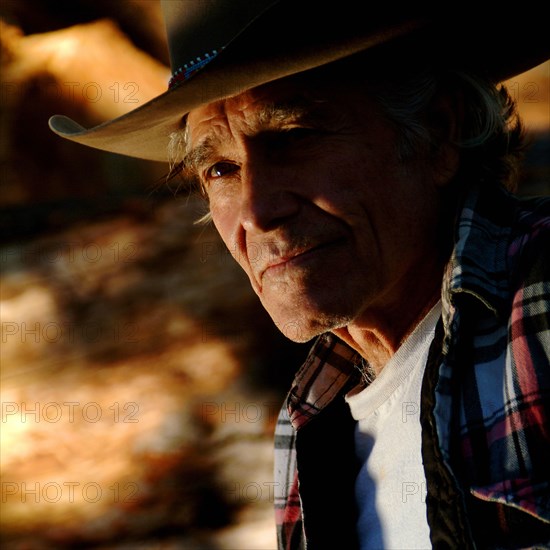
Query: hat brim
{"x": 276, "y": 46}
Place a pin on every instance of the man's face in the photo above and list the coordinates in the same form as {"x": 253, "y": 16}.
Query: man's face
{"x": 307, "y": 191}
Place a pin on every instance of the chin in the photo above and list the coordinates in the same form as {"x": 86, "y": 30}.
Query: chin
{"x": 303, "y": 326}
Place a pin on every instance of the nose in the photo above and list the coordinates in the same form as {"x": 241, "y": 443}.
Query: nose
{"x": 268, "y": 196}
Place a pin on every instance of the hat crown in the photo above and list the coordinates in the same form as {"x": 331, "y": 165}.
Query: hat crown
{"x": 198, "y": 30}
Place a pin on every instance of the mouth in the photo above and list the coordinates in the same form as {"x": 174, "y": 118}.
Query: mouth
{"x": 297, "y": 258}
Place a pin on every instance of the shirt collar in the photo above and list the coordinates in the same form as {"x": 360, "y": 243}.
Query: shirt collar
{"x": 479, "y": 264}
{"x": 330, "y": 369}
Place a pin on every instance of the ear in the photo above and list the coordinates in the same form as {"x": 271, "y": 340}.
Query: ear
{"x": 445, "y": 116}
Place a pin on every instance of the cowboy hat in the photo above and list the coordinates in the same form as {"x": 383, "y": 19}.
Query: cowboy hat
{"x": 219, "y": 48}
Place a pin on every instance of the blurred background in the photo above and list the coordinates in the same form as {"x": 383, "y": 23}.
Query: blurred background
{"x": 140, "y": 378}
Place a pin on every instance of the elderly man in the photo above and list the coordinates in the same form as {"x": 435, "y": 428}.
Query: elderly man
{"x": 374, "y": 179}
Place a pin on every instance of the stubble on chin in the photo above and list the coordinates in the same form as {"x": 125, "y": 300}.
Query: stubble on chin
{"x": 301, "y": 321}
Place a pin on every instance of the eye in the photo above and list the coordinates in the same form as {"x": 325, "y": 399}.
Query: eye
{"x": 291, "y": 139}
{"x": 297, "y": 134}
{"x": 221, "y": 169}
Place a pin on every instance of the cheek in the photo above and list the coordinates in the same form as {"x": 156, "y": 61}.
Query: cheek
{"x": 226, "y": 221}
{"x": 224, "y": 209}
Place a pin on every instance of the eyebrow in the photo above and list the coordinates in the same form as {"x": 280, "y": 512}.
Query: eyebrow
{"x": 199, "y": 155}
{"x": 300, "y": 109}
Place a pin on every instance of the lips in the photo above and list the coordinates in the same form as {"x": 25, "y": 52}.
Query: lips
{"x": 295, "y": 256}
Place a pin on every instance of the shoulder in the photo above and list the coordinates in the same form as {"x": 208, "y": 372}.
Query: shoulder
{"x": 529, "y": 250}
{"x": 529, "y": 261}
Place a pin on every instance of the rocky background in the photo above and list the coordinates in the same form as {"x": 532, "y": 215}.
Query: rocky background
{"x": 140, "y": 378}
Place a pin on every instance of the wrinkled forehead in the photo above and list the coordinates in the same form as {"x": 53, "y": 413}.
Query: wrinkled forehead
{"x": 269, "y": 102}
{"x": 304, "y": 98}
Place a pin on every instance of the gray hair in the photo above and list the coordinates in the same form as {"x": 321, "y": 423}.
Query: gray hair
{"x": 491, "y": 138}
{"x": 178, "y": 147}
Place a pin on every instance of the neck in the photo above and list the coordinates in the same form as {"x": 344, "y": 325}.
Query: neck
{"x": 379, "y": 332}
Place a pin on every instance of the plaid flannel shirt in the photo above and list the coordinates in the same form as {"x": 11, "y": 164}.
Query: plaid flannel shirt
{"x": 485, "y": 405}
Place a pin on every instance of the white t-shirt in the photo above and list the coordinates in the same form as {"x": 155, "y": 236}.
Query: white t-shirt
{"x": 391, "y": 485}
